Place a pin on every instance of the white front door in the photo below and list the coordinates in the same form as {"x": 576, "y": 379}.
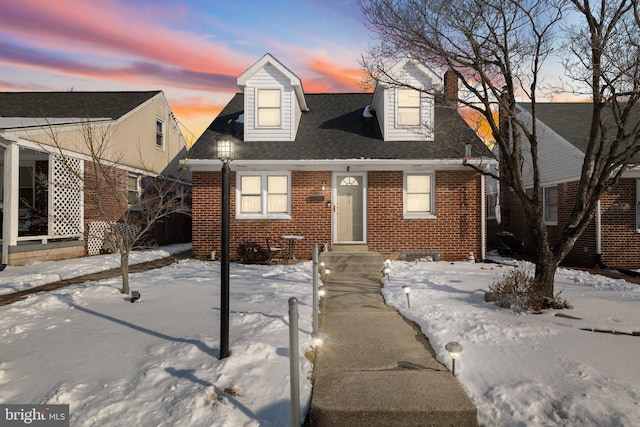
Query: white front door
{"x": 349, "y": 207}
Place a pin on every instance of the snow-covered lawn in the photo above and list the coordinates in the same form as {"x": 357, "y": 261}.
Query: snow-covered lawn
{"x": 154, "y": 363}
{"x": 531, "y": 369}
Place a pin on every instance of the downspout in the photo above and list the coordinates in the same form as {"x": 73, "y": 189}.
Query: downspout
{"x": 483, "y": 219}
{"x": 599, "y": 262}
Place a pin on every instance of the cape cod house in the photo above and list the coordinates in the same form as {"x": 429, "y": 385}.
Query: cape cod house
{"x": 382, "y": 171}
{"x": 48, "y": 203}
{"x": 613, "y": 237}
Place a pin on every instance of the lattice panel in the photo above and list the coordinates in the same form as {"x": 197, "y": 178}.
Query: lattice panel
{"x": 99, "y": 230}
{"x": 95, "y": 239}
{"x": 66, "y": 196}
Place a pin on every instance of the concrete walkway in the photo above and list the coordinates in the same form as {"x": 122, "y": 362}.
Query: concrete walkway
{"x": 376, "y": 368}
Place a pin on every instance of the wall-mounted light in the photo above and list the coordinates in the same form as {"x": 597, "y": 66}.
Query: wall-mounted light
{"x": 323, "y": 185}
{"x": 407, "y": 291}
{"x": 454, "y": 350}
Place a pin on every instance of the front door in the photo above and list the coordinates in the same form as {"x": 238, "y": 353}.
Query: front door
{"x": 349, "y": 207}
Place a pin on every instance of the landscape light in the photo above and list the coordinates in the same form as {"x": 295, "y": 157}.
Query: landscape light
{"x": 322, "y": 291}
{"x": 385, "y": 272}
{"x": 135, "y": 296}
{"x": 454, "y": 350}
{"x": 407, "y": 291}
{"x": 318, "y": 338}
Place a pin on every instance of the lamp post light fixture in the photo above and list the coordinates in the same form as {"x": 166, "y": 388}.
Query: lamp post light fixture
{"x": 225, "y": 147}
{"x": 407, "y": 291}
{"x": 454, "y": 350}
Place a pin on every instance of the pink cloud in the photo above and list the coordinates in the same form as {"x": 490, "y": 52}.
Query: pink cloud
{"x": 113, "y": 26}
{"x": 333, "y": 77}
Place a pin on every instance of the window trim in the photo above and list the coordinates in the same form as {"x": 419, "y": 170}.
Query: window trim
{"x": 263, "y": 195}
{"x": 398, "y": 107}
{"x": 545, "y": 206}
{"x": 162, "y": 135}
{"x": 492, "y": 203}
{"x": 138, "y": 190}
{"x": 258, "y": 108}
{"x": 431, "y": 214}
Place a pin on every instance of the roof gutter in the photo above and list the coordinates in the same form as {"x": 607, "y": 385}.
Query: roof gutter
{"x": 353, "y": 165}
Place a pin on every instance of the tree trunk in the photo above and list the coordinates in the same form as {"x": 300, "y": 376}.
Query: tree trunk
{"x": 545, "y": 273}
{"x": 124, "y": 270}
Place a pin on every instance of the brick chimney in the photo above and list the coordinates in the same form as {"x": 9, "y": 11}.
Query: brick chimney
{"x": 451, "y": 87}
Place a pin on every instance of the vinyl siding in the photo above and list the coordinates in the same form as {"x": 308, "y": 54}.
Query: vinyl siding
{"x": 413, "y": 77}
{"x": 560, "y": 161}
{"x": 270, "y": 78}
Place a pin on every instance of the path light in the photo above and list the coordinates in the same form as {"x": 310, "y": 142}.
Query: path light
{"x": 407, "y": 291}
{"x": 318, "y": 338}
{"x": 322, "y": 291}
{"x": 325, "y": 273}
{"x": 135, "y": 296}
{"x": 385, "y": 272}
{"x": 387, "y": 262}
{"x": 454, "y": 350}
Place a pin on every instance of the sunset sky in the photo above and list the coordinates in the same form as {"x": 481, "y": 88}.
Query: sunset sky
{"x": 193, "y": 50}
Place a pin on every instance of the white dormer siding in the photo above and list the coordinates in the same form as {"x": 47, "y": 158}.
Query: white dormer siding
{"x": 387, "y": 99}
{"x": 271, "y": 77}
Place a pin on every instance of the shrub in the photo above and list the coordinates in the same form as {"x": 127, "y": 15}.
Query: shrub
{"x": 517, "y": 290}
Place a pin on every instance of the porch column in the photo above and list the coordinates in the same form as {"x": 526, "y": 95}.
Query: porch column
{"x": 10, "y": 199}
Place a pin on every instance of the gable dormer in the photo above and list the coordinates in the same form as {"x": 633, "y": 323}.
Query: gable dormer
{"x": 273, "y": 101}
{"x": 406, "y": 113}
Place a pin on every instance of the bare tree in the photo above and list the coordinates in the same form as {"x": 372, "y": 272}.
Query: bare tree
{"x": 130, "y": 215}
{"x": 498, "y": 49}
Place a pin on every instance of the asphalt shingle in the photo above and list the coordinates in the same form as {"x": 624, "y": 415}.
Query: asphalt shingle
{"x": 110, "y": 105}
{"x": 335, "y": 128}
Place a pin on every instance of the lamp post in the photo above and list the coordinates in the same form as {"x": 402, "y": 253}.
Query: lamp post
{"x": 225, "y": 152}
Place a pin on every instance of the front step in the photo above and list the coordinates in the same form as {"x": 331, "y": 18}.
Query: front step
{"x": 352, "y": 262}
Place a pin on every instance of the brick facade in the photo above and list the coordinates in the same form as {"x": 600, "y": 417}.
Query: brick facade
{"x": 620, "y": 244}
{"x": 455, "y": 231}
{"x": 175, "y": 228}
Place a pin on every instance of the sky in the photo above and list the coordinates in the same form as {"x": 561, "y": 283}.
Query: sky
{"x": 193, "y": 50}
{"x": 146, "y": 368}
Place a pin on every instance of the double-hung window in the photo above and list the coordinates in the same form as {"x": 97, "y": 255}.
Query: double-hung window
{"x": 492, "y": 201}
{"x": 269, "y": 108}
{"x": 133, "y": 189}
{"x": 408, "y": 107}
{"x": 550, "y": 205}
{"x": 418, "y": 196}
{"x": 159, "y": 134}
{"x": 264, "y": 195}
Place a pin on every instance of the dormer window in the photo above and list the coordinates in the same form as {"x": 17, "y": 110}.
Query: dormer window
{"x": 269, "y": 108}
{"x": 408, "y": 107}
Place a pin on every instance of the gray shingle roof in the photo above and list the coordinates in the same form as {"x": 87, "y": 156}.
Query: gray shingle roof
{"x": 71, "y": 104}
{"x": 570, "y": 120}
{"x": 334, "y": 128}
